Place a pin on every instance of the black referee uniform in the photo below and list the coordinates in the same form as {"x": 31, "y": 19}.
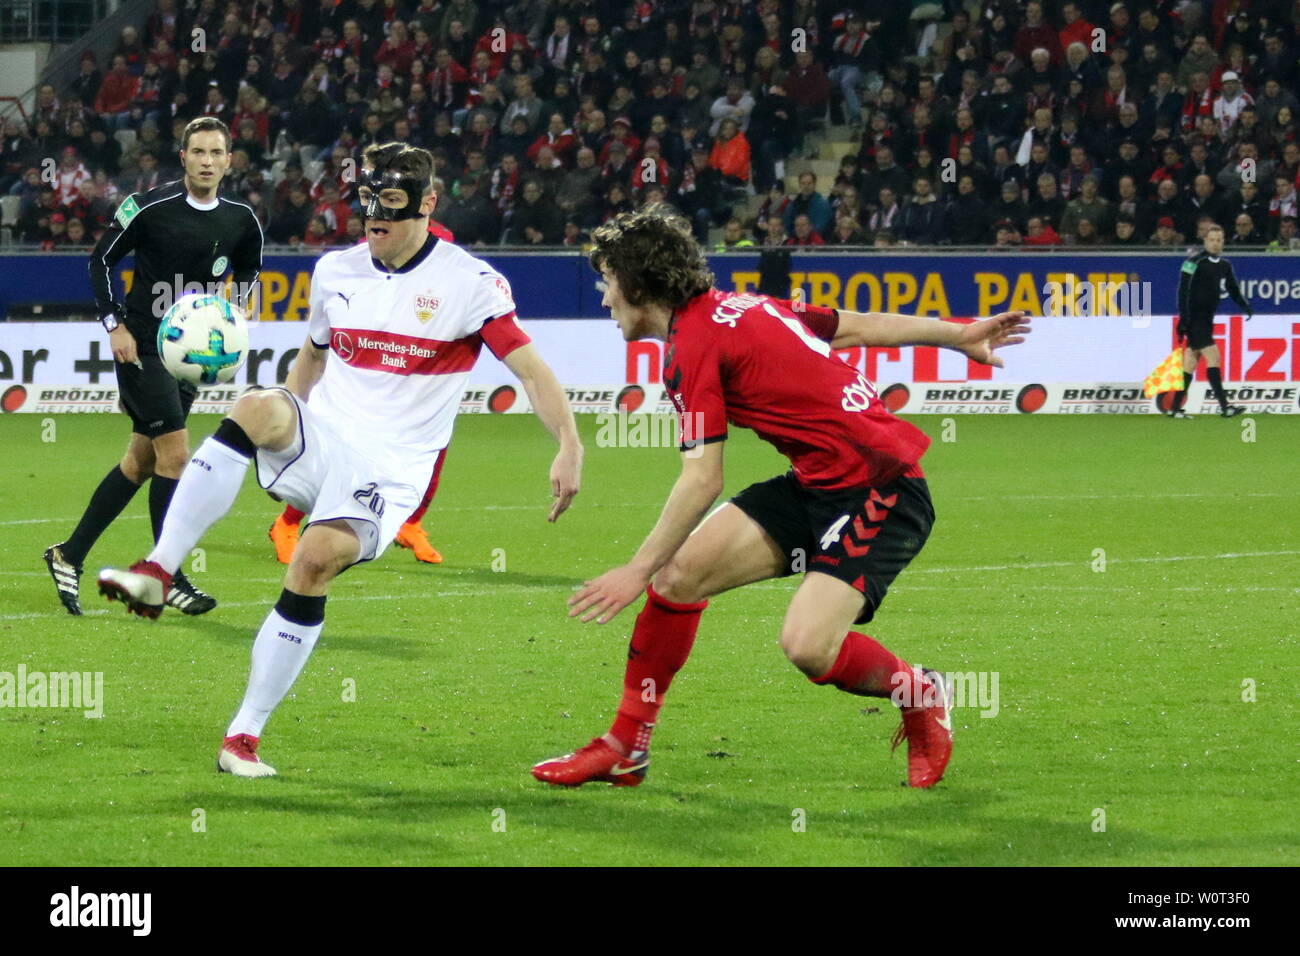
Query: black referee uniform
{"x": 176, "y": 241}
{"x": 1203, "y": 280}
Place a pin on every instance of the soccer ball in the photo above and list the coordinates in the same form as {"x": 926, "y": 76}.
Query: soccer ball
{"x": 203, "y": 339}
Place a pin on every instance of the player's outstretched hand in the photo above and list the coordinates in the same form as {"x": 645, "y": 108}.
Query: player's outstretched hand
{"x": 979, "y": 339}
{"x": 603, "y": 597}
{"x": 566, "y": 480}
{"x": 122, "y": 342}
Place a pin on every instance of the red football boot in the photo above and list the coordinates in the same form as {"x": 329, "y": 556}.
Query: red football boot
{"x": 597, "y": 761}
{"x": 238, "y": 755}
{"x": 143, "y": 588}
{"x": 928, "y": 732}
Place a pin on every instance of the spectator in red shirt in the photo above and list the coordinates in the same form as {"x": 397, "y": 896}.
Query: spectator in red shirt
{"x": 1040, "y": 233}
{"x": 623, "y": 135}
{"x": 807, "y": 85}
{"x": 1076, "y": 28}
{"x": 58, "y": 232}
{"x": 398, "y": 50}
{"x": 447, "y": 81}
{"x": 559, "y": 137}
{"x": 1036, "y": 32}
{"x": 116, "y": 95}
{"x": 730, "y": 155}
{"x": 655, "y": 172}
{"x": 317, "y": 233}
{"x": 498, "y": 41}
{"x": 804, "y": 233}
{"x": 333, "y": 210}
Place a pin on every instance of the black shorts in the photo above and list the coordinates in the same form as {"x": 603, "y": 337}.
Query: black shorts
{"x": 156, "y": 402}
{"x": 863, "y": 536}
{"x": 1200, "y": 333}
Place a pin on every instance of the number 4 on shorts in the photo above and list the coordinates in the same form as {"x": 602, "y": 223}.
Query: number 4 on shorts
{"x": 833, "y": 532}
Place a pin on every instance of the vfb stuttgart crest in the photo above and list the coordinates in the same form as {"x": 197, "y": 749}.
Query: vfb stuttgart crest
{"x": 425, "y": 306}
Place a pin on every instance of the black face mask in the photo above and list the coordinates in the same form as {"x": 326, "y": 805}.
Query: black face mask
{"x": 377, "y": 180}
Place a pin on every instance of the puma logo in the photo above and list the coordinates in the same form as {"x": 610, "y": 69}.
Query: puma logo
{"x": 347, "y": 299}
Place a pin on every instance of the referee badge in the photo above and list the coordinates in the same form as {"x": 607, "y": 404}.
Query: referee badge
{"x": 425, "y": 306}
{"x": 127, "y": 211}
{"x": 219, "y": 267}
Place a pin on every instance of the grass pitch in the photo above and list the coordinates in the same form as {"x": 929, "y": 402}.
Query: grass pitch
{"x": 1130, "y": 581}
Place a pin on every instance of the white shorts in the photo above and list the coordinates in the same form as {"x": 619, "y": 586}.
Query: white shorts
{"x": 322, "y": 475}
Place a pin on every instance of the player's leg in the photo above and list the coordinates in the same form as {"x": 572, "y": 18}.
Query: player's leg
{"x": 171, "y": 452}
{"x": 728, "y": 550}
{"x": 1191, "y": 358}
{"x": 412, "y": 534}
{"x": 864, "y": 543}
{"x": 286, "y": 639}
{"x": 113, "y": 494}
{"x": 207, "y": 488}
{"x": 284, "y": 533}
{"x": 1214, "y": 372}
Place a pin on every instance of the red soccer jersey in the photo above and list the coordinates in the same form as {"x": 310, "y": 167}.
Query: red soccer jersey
{"x": 759, "y": 363}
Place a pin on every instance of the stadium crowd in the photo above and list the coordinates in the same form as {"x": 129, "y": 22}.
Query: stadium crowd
{"x": 1006, "y": 124}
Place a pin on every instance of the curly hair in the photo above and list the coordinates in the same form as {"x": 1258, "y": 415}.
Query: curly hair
{"x": 654, "y": 257}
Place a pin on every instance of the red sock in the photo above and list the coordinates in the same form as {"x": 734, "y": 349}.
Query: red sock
{"x": 865, "y": 667}
{"x": 292, "y": 515}
{"x": 430, "y": 492}
{"x": 661, "y": 642}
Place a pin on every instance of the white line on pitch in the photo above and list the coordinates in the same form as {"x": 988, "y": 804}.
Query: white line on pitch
{"x": 657, "y": 504}
{"x": 478, "y": 589}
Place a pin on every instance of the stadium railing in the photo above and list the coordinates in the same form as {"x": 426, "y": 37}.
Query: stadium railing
{"x": 51, "y": 21}
{"x": 65, "y": 64}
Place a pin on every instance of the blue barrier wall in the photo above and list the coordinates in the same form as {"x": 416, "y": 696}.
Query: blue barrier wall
{"x": 559, "y": 285}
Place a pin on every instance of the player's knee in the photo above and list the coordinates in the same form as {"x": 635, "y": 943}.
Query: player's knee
{"x": 807, "y": 648}
{"x": 678, "y": 581}
{"x": 266, "y": 416}
{"x": 313, "y": 568}
{"x": 137, "y": 464}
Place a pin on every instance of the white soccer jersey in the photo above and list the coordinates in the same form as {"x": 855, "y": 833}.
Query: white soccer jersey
{"x": 1227, "y": 112}
{"x": 403, "y": 344}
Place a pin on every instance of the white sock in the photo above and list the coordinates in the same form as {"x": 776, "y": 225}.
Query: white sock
{"x": 208, "y": 487}
{"x": 279, "y": 653}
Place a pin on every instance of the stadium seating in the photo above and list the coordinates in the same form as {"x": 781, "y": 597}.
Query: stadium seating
{"x": 1213, "y": 86}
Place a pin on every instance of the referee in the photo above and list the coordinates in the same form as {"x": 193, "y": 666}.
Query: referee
{"x": 1206, "y": 278}
{"x": 181, "y": 233}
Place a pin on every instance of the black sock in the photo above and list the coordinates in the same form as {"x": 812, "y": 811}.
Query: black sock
{"x": 160, "y": 496}
{"x": 303, "y": 609}
{"x": 113, "y": 494}
{"x": 1215, "y": 376}
{"x": 230, "y": 434}
{"x": 1180, "y": 396}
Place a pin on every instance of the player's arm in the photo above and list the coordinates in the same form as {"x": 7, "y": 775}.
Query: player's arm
{"x": 552, "y": 407}
{"x": 977, "y": 340}
{"x": 697, "y": 487}
{"x": 307, "y": 368}
{"x": 309, "y": 364}
{"x": 1185, "y": 276}
{"x": 246, "y": 266}
{"x": 118, "y": 240}
{"x": 1234, "y": 290}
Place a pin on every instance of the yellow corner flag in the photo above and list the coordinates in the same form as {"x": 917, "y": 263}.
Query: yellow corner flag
{"x": 1168, "y": 376}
